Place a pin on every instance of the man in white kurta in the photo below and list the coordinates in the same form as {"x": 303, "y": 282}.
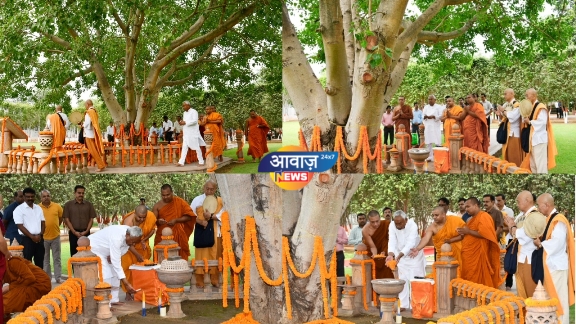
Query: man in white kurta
{"x": 403, "y": 236}
{"x": 432, "y": 125}
{"x": 110, "y": 244}
{"x": 191, "y": 139}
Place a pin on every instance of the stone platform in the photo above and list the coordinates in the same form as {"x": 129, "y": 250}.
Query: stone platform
{"x": 161, "y": 168}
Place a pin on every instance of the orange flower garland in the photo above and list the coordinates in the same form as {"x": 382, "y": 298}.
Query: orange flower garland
{"x": 391, "y": 264}
{"x": 86, "y": 259}
{"x": 174, "y": 290}
{"x": 165, "y": 250}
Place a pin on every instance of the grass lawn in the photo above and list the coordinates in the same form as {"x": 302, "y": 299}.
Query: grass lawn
{"x": 563, "y": 133}
{"x": 248, "y": 166}
{"x": 572, "y": 314}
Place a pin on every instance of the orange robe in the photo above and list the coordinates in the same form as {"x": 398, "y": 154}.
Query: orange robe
{"x": 481, "y": 256}
{"x": 181, "y": 231}
{"x": 552, "y": 150}
{"x": 475, "y": 130}
{"x": 97, "y": 133}
{"x": 449, "y": 122}
{"x": 380, "y": 239}
{"x": 129, "y": 258}
{"x": 405, "y": 120}
{"x": 58, "y": 130}
{"x": 219, "y": 138}
{"x": 548, "y": 283}
{"x": 448, "y": 231}
{"x": 257, "y": 141}
{"x": 28, "y": 283}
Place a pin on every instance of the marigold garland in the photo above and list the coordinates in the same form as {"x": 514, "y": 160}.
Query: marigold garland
{"x": 391, "y": 264}
{"x": 86, "y": 259}
{"x": 241, "y": 318}
{"x": 174, "y": 290}
{"x": 45, "y": 310}
{"x": 165, "y": 249}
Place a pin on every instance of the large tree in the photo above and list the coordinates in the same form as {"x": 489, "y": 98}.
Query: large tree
{"x": 366, "y": 46}
{"x": 131, "y": 50}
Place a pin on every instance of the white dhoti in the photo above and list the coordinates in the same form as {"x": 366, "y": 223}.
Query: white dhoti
{"x": 408, "y": 268}
{"x": 192, "y": 143}
{"x": 560, "y": 279}
{"x": 539, "y": 158}
{"x": 110, "y": 277}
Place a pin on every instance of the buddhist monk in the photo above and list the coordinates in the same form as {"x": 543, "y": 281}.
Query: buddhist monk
{"x": 510, "y": 114}
{"x": 215, "y": 123}
{"x": 375, "y": 236}
{"x": 474, "y": 126}
{"x": 93, "y": 136}
{"x": 480, "y": 248}
{"x": 214, "y": 252}
{"x": 175, "y": 213}
{"x": 442, "y": 230}
{"x": 140, "y": 251}
{"x": 26, "y": 284}
{"x": 4, "y": 256}
{"x": 256, "y": 129}
{"x": 57, "y": 126}
{"x": 403, "y": 115}
{"x": 453, "y": 115}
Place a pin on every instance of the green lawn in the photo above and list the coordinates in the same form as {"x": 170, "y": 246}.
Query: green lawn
{"x": 248, "y": 166}
{"x": 572, "y": 314}
{"x": 563, "y": 133}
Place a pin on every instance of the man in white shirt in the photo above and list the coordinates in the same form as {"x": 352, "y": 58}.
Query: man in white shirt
{"x": 63, "y": 116}
{"x": 168, "y": 128}
{"x": 110, "y": 132}
{"x": 543, "y": 147}
{"x": 177, "y": 127}
{"x": 192, "y": 139}
{"x": 110, "y": 244}
{"x": 403, "y": 236}
{"x": 355, "y": 237}
{"x": 432, "y": 125}
{"x": 153, "y": 130}
{"x": 510, "y": 111}
{"x": 29, "y": 219}
{"x": 488, "y": 108}
{"x": 558, "y": 260}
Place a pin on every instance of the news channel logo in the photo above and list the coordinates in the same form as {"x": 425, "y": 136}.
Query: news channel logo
{"x": 292, "y": 169}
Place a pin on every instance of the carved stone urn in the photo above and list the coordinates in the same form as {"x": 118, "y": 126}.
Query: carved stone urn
{"x": 174, "y": 273}
{"x": 388, "y": 289}
{"x": 46, "y": 139}
{"x": 419, "y": 156}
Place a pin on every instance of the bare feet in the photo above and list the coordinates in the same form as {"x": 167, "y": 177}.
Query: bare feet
{"x": 100, "y": 170}
{"x": 129, "y": 297}
{"x": 220, "y": 158}
{"x": 179, "y": 165}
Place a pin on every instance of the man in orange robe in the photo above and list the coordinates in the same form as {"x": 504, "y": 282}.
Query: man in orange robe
{"x": 215, "y": 123}
{"x": 57, "y": 125}
{"x": 480, "y": 248}
{"x": 453, "y": 115}
{"x": 442, "y": 230}
{"x": 26, "y": 284}
{"x": 93, "y": 136}
{"x": 402, "y": 116}
{"x": 174, "y": 212}
{"x": 474, "y": 126}
{"x": 256, "y": 129}
{"x": 375, "y": 237}
{"x": 141, "y": 251}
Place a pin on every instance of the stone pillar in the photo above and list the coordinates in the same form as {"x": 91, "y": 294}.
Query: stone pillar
{"x": 351, "y": 300}
{"x": 88, "y": 272}
{"x": 208, "y": 138}
{"x": 455, "y": 144}
{"x": 357, "y": 277}
{"x": 239, "y": 153}
{"x": 7, "y": 147}
{"x": 403, "y": 145}
{"x": 421, "y": 135}
{"x": 394, "y": 157}
{"x": 537, "y": 314}
{"x": 167, "y": 239}
{"x": 154, "y": 139}
{"x": 444, "y": 274}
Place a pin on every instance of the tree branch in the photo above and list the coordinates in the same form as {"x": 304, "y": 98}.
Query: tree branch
{"x": 414, "y": 28}
{"x": 178, "y": 82}
{"x": 77, "y": 74}
{"x": 57, "y": 40}
{"x": 435, "y": 37}
{"x": 121, "y": 24}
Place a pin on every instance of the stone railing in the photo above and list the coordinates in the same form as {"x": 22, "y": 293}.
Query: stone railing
{"x": 28, "y": 160}
{"x": 209, "y": 292}
{"x": 162, "y": 153}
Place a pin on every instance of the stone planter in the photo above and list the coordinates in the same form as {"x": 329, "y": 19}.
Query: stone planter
{"x": 419, "y": 156}
{"x": 388, "y": 289}
{"x": 46, "y": 139}
{"x": 103, "y": 304}
{"x": 174, "y": 273}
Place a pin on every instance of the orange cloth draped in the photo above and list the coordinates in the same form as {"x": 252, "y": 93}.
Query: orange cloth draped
{"x": 449, "y": 122}
{"x": 448, "y": 231}
{"x": 58, "y": 130}
{"x": 481, "y": 256}
{"x": 475, "y": 130}
{"x": 97, "y": 133}
{"x": 181, "y": 231}
{"x": 405, "y": 120}
{"x": 548, "y": 283}
{"x": 257, "y": 142}
{"x": 219, "y": 139}
{"x": 28, "y": 283}
{"x": 380, "y": 239}
{"x": 552, "y": 150}
{"x": 209, "y": 253}
{"x": 129, "y": 258}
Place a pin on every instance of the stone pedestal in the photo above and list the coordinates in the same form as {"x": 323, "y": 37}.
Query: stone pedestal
{"x": 239, "y": 153}
{"x": 175, "y": 308}
{"x": 394, "y": 163}
{"x": 351, "y": 300}
{"x": 387, "y": 149}
{"x": 444, "y": 274}
{"x": 388, "y": 290}
{"x": 154, "y": 139}
{"x": 103, "y": 304}
{"x": 357, "y": 277}
{"x": 208, "y": 138}
{"x": 421, "y": 135}
{"x": 46, "y": 140}
{"x": 419, "y": 156}
{"x": 536, "y": 314}
{"x": 403, "y": 144}
{"x": 88, "y": 272}
{"x": 455, "y": 144}
{"x": 167, "y": 239}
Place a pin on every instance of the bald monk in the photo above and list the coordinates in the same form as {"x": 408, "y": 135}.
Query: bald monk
{"x": 256, "y": 129}
{"x": 480, "y": 248}
{"x": 403, "y": 115}
{"x": 140, "y": 251}
{"x": 57, "y": 126}
{"x": 214, "y": 123}
{"x": 474, "y": 126}
{"x": 26, "y": 284}
{"x": 510, "y": 114}
{"x": 175, "y": 213}
{"x": 442, "y": 230}
{"x": 453, "y": 115}
{"x": 375, "y": 237}
{"x": 214, "y": 252}
{"x": 93, "y": 136}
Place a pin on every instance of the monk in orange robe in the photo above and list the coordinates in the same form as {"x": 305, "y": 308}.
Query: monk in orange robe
{"x": 453, "y": 115}
{"x": 215, "y": 123}
{"x": 480, "y": 248}
{"x": 475, "y": 127}
{"x": 26, "y": 284}
{"x": 93, "y": 136}
{"x": 402, "y": 116}
{"x": 57, "y": 126}
{"x": 141, "y": 251}
{"x": 442, "y": 230}
{"x": 174, "y": 212}
{"x": 375, "y": 237}
{"x": 256, "y": 130}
